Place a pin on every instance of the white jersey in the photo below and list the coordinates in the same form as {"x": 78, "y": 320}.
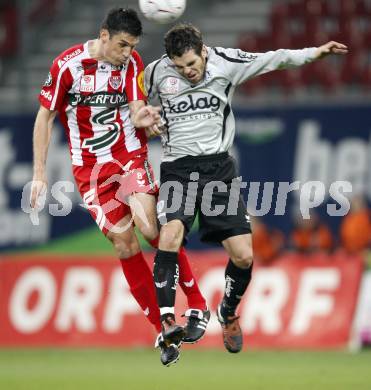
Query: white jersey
{"x": 199, "y": 118}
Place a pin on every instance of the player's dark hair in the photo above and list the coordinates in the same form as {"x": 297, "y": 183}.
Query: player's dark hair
{"x": 120, "y": 20}
{"x": 181, "y": 38}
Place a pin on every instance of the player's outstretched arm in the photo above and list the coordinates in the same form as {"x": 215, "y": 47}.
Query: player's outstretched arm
{"x": 331, "y": 47}
{"x": 41, "y": 138}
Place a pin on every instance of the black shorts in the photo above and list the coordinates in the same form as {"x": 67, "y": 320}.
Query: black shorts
{"x": 207, "y": 186}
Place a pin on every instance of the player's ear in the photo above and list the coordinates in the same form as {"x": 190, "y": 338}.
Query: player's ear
{"x": 104, "y": 35}
{"x": 204, "y": 52}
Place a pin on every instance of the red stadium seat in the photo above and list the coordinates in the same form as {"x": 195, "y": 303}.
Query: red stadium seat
{"x": 282, "y": 41}
{"x": 326, "y": 10}
{"x": 296, "y": 8}
{"x": 314, "y": 8}
{"x": 312, "y": 26}
{"x": 367, "y": 39}
{"x": 271, "y": 79}
{"x": 248, "y": 42}
{"x": 366, "y": 76}
{"x": 43, "y": 10}
{"x": 279, "y": 18}
{"x": 306, "y": 23}
{"x": 291, "y": 80}
{"x": 314, "y": 73}
{"x": 347, "y": 8}
{"x": 264, "y": 43}
{"x": 363, "y": 8}
{"x": 353, "y": 68}
{"x": 252, "y": 87}
{"x": 9, "y": 30}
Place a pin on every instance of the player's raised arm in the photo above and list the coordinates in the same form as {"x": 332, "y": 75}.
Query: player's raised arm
{"x": 242, "y": 66}
{"x": 41, "y": 139}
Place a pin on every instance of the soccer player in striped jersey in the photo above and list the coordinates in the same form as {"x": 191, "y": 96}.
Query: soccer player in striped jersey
{"x": 97, "y": 89}
{"x": 195, "y": 85}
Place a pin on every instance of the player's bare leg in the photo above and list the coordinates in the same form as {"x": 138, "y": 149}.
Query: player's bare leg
{"x": 237, "y": 278}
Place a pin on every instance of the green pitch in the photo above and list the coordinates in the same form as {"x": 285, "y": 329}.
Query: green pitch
{"x": 197, "y": 370}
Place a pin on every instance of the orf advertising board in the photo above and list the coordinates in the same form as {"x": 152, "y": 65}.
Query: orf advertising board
{"x": 297, "y": 302}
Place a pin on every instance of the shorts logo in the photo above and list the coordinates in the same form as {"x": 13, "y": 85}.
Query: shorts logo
{"x": 49, "y": 80}
{"x": 115, "y": 81}
{"x": 141, "y": 182}
{"x": 172, "y": 85}
{"x": 87, "y": 84}
{"x": 161, "y": 284}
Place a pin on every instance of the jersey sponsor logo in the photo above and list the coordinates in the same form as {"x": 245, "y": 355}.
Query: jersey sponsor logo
{"x": 99, "y": 99}
{"x": 141, "y": 83}
{"x": 46, "y": 95}
{"x": 49, "y": 80}
{"x": 172, "y": 85}
{"x": 66, "y": 58}
{"x": 87, "y": 83}
{"x": 244, "y": 55}
{"x": 190, "y": 104}
{"x": 103, "y": 69}
{"x": 106, "y": 118}
{"x": 115, "y": 81}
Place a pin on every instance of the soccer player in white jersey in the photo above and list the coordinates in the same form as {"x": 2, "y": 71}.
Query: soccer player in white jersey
{"x": 195, "y": 85}
{"x": 97, "y": 89}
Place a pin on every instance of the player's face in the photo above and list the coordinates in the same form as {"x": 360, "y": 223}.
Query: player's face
{"x": 117, "y": 48}
{"x": 191, "y": 65}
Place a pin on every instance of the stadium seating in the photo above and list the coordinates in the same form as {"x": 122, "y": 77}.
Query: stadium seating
{"x": 306, "y": 23}
{"x": 8, "y": 30}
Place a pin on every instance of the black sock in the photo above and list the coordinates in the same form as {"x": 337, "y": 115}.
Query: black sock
{"x": 236, "y": 282}
{"x": 166, "y": 276}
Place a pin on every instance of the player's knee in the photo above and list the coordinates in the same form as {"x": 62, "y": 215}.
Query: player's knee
{"x": 171, "y": 236}
{"x": 149, "y": 232}
{"x": 243, "y": 259}
{"x": 124, "y": 246}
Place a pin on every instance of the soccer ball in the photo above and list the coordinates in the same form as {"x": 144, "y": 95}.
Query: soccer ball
{"x": 162, "y": 11}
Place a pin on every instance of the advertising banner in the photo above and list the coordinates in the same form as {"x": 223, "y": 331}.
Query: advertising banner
{"x": 361, "y": 334}
{"x": 298, "y": 302}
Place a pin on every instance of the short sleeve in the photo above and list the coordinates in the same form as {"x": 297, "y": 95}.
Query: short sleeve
{"x": 56, "y": 86}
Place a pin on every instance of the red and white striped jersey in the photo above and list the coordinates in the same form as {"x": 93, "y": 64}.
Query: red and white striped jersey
{"x": 92, "y": 99}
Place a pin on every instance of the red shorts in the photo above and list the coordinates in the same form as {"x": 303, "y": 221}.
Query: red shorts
{"x": 105, "y": 188}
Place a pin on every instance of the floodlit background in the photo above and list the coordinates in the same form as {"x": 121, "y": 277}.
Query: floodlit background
{"x": 312, "y": 287}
